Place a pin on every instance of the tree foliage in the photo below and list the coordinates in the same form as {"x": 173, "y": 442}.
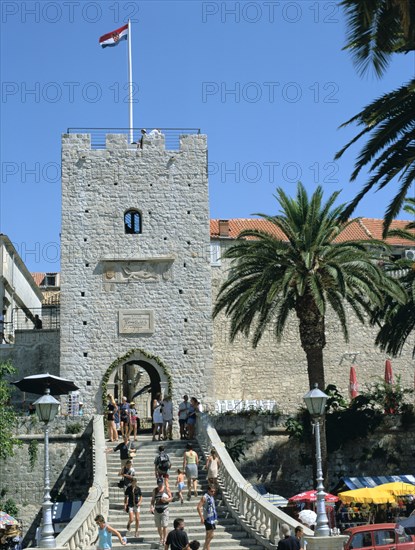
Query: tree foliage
{"x": 7, "y": 414}
{"x": 376, "y": 30}
{"x": 306, "y": 273}
{"x": 397, "y": 320}
{"x": 389, "y": 123}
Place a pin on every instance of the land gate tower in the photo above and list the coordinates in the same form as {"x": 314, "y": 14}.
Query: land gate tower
{"x": 136, "y": 281}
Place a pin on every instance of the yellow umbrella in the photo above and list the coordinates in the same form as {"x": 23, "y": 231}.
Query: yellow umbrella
{"x": 366, "y": 495}
{"x": 398, "y": 488}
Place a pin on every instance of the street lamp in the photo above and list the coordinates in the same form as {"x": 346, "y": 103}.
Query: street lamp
{"x": 46, "y": 410}
{"x": 315, "y": 401}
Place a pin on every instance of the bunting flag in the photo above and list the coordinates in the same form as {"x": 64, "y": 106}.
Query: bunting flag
{"x": 113, "y": 38}
{"x": 353, "y": 386}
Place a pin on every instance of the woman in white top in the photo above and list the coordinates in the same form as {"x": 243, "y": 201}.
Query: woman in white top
{"x": 212, "y": 467}
{"x": 157, "y": 417}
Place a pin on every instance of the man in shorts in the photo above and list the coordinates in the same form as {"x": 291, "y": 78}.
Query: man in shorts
{"x": 160, "y": 499}
{"x": 208, "y": 516}
{"x": 183, "y": 412}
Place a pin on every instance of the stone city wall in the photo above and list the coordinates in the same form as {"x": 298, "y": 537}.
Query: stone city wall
{"x": 283, "y": 465}
{"x": 70, "y": 462}
{"x": 279, "y": 370}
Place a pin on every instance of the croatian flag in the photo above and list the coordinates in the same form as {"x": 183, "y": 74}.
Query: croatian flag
{"x": 114, "y": 37}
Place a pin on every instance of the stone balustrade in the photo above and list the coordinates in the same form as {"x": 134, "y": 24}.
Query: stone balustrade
{"x": 82, "y": 530}
{"x": 256, "y": 515}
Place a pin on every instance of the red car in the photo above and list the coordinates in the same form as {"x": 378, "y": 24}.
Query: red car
{"x": 377, "y": 536}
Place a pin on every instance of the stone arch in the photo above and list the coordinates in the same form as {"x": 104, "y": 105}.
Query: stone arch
{"x": 157, "y": 370}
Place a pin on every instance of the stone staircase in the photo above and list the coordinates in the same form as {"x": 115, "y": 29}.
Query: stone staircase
{"x": 229, "y": 535}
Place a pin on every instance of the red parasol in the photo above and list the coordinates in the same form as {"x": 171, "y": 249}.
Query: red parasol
{"x": 388, "y": 372}
{"x": 311, "y": 496}
{"x": 353, "y": 385}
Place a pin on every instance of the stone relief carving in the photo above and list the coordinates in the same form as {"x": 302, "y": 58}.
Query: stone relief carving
{"x": 138, "y": 270}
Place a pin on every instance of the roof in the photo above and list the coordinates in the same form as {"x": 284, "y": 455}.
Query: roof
{"x": 361, "y": 228}
{"x": 370, "y": 527}
{"x": 370, "y": 481}
{"x": 38, "y": 278}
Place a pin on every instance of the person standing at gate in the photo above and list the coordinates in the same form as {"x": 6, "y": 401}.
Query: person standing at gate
{"x": 183, "y": 413}
{"x": 167, "y": 414}
{"x": 134, "y": 420}
{"x": 125, "y": 417}
{"x": 111, "y": 409}
{"x": 157, "y": 417}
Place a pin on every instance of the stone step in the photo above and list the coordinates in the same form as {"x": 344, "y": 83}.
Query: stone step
{"x": 151, "y": 542}
{"x": 229, "y": 534}
{"x": 146, "y": 529}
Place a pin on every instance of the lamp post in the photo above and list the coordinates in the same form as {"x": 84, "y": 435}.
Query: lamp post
{"x": 315, "y": 401}
{"x": 46, "y": 410}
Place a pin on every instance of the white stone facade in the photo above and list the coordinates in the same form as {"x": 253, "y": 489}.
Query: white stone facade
{"x": 149, "y": 292}
{"x": 17, "y": 290}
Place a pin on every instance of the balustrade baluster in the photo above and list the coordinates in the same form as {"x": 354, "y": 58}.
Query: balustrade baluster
{"x": 262, "y": 516}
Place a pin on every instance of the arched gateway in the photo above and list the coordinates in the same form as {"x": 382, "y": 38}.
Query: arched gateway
{"x": 139, "y": 376}
{"x": 137, "y": 304}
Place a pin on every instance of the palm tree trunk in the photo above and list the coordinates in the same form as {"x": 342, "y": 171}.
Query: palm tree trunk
{"x": 313, "y": 341}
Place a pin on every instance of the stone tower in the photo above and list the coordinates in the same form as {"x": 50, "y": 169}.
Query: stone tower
{"x": 136, "y": 281}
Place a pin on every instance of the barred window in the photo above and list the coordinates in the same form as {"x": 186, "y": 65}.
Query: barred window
{"x": 132, "y": 222}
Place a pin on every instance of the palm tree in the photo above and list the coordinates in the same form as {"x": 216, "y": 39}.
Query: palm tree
{"x": 398, "y": 319}
{"x": 311, "y": 270}
{"x": 377, "y": 29}
{"x": 390, "y": 151}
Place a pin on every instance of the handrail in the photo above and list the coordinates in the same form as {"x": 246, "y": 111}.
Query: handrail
{"x": 171, "y": 136}
{"x": 81, "y": 531}
{"x": 256, "y": 515}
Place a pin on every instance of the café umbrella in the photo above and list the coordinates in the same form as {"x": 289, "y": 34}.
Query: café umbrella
{"x": 398, "y": 488}
{"x": 311, "y": 496}
{"x": 38, "y": 383}
{"x": 366, "y": 495}
{"x": 6, "y": 520}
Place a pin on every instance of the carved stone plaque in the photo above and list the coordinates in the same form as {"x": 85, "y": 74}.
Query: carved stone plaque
{"x": 148, "y": 271}
{"x": 136, "y": 321}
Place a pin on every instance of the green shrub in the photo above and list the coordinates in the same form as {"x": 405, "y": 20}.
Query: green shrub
{"x": 73, "y": 428}
{"x": 33, "y": 453}
{"x": 236, "y": 450}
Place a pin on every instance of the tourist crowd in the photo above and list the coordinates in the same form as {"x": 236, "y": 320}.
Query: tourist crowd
{"x": 123, "y": 418}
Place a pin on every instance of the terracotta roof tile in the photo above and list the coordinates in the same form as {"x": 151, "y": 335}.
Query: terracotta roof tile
{"x": 38, "y": 278}
{"x": 361, "y": 229}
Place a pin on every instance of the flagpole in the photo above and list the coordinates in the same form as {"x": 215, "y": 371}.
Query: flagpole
{"x": 130, "y": 82}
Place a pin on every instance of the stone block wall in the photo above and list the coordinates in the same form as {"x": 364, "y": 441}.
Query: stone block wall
{"x": 70, "y": 461}
{"x": 149, "y": 291}
{"x": 279, "y": 370}
{"x": 283, "y": 465}
{"x": 33, "y": 352}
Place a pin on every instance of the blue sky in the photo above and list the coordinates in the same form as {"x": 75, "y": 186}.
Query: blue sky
{"x": 267, "y": 81}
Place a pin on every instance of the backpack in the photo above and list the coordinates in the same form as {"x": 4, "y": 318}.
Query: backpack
{"x": 163, "y": 462}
